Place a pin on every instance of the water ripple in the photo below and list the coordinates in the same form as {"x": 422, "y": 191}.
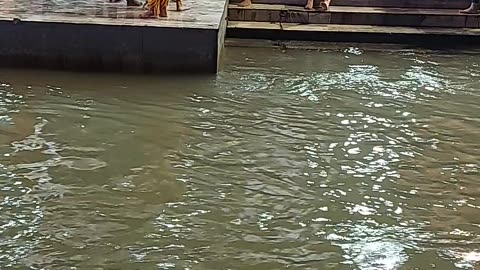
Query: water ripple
{"x": 344, "y": 159}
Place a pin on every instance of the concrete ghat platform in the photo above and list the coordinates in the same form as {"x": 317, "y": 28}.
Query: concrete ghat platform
{"x": 356, "y": 16}
{"x": 451, "y": 38}
{"x": 95, "y": 35}
{"x": 428, "y": 4}
{"x": 439, "y": 27}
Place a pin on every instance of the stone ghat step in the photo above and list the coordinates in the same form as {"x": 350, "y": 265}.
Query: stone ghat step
{"x": 451, "y": 38}
{"x": 430, "y": 4}
{"x": 355, "y": 16}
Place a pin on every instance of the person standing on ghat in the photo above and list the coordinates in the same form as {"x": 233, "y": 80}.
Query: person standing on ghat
{"x": 473, "y": 9}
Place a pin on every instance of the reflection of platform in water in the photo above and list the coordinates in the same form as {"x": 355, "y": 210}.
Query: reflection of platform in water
{"x": 104, "y": 36}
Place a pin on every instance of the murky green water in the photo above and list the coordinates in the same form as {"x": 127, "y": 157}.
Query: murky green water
{"x": 297, "y": 160}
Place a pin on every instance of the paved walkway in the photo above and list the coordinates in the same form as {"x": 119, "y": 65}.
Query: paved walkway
{"x": 202, "y": 13}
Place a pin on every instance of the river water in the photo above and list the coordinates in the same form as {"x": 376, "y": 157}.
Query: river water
{"x": 285, "y": 160}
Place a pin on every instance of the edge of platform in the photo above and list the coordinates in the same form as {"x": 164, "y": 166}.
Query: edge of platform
{"x": 355, "y": 33}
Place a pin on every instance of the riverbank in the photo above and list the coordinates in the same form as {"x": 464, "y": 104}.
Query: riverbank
{"x": 422, "y": 23}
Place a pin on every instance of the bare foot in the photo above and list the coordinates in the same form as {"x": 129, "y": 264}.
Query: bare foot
{"x": 245, "y": 3}
{"x": 473, "y": 9}
{"x": 323, "y": 7}
{"x": 309, "y": 4}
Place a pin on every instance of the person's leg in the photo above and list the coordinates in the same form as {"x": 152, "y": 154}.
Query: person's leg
{"x": 152, "y": 9}
{"x": 473, "y": 9}
{"x": 309, "y": 4}
{"x": 155, "y": 9}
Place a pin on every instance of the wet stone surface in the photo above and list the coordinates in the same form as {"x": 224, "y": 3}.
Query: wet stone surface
{"x": 199, "y": 13}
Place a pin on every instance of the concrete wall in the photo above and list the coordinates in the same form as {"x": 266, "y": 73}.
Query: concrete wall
{"x": 222, "y": 31}
{"x": 108, "y": 47}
